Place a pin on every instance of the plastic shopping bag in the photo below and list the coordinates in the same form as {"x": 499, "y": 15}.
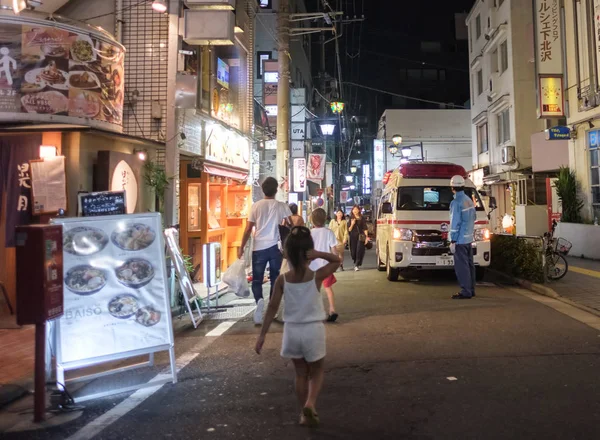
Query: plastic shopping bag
{"x": 235, "y": 278}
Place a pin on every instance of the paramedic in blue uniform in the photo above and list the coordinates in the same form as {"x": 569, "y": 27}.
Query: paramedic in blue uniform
{"x": 462, "y": 225}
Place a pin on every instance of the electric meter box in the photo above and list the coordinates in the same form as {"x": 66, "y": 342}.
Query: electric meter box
{"x": 39, "y": 273}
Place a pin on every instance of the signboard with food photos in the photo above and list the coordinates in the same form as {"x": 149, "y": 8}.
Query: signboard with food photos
{"x": 57, "y": 73}
{"x": 116, "y": 298}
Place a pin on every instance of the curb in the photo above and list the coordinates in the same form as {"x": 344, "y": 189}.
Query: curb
{"x": 540, "y": 289}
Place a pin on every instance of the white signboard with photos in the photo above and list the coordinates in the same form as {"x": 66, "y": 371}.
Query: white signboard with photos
{"x": 116, "y": 296}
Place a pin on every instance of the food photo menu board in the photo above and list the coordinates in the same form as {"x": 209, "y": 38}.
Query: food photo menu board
{"x": 115, "y": 287}
{"x": 53, "y": 71}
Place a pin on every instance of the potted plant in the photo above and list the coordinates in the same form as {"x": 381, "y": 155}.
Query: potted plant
{"x": 156, "y": 178}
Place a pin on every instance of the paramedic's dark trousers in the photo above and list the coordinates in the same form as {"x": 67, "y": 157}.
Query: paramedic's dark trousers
{"x": 465, "y": 269}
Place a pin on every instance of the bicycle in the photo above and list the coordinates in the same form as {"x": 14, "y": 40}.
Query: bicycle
{"x": 555, "y": 251}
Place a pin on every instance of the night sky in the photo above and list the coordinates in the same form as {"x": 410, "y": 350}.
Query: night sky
{"x": 390, "y": 46}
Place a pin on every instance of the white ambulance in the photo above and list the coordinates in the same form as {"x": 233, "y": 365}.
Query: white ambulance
{"x": 413, "y": 221}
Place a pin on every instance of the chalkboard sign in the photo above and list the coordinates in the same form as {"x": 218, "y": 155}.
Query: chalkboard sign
{"x": 102, "y": 203}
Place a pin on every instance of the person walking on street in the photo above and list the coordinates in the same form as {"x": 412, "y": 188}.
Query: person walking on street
{"x": 339, "y": 227}
{"x": 266, "y": 215}
{"x": 462, "y": 226}
{"x": 303, "y": 311}
{"x": 297, "y": 220}
{"x": 325, "y": 241}
{"x": 359, "y": 237}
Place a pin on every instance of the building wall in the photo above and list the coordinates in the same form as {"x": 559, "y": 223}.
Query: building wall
{"x": 446, "y": 134}
{"x": 265, "y": 26}
{"x": 512, "y": 89}
{"x": 579, "y": 155}
{"x": 101, "y": 13}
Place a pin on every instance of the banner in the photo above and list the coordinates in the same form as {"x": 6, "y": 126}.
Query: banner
{"x": 15, "y": 154}
{"x": 548, "y": 42}
{"x": 316, "y": 167}
{"x": 55, "y": 74}
{"x": 378, "y": 159}
{"x": 299, "y": 175}
{"x": 116, "y": 296}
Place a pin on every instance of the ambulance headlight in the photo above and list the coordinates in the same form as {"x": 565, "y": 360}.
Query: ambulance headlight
{"x": 482, "y": 234}
{"x": 401, "y": 234}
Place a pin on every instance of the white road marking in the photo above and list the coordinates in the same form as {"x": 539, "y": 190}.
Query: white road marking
{"x": 221, "y": 328}
{"x": 451, "y": 378}
{"x": 108, "y": 418}
{"x": 566, "y": 309}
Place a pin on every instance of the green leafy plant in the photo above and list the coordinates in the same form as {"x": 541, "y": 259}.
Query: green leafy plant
{"x": 156, "y": 178}
{"x": 567, "y": 190}
{"x": 517, "y": 257}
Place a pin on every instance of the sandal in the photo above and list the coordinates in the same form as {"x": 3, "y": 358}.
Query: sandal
{"x": 312, "y": 418}
{"x": 332, "y": 317}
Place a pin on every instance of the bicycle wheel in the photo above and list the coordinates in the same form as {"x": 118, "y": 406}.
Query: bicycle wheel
{"x": 557, "y": 266}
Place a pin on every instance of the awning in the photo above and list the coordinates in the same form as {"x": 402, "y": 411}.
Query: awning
{"x": 225, "y": 172}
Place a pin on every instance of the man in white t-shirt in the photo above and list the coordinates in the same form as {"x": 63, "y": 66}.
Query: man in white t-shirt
{"x": 266, "y": 215}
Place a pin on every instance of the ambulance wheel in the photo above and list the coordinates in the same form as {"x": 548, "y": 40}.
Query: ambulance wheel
{"x": 479, "y": 273}
{"x": 380, "y": 265}
{"x": 392, "y": 272}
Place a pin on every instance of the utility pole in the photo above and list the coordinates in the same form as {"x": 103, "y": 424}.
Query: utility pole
{"x": 283, "y": 98}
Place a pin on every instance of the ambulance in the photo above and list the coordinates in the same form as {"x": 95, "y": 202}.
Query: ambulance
{"x": 413, "y": 221}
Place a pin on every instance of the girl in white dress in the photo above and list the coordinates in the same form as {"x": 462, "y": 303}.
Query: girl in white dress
{"x": 303, "y": 315}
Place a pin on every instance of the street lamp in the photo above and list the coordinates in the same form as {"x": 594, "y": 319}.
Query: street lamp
{"x": 349, "y": 179}
{"x": 406, "y": 152}
{"x": 159, "y": 5}
{"x": 353, "y": 169}
{"x": 393, "y": 149}
{"x": 327, "y": 129}
{"x": 397, "y": 139}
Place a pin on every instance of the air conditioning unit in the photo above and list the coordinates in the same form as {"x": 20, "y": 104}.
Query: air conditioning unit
{"x": 508, "y": 154}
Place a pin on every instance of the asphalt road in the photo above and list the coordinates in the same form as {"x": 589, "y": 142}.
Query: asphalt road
{"x": 404, "y": 361}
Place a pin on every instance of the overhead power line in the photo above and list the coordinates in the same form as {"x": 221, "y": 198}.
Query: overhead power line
{"x": 422, "y": 63}
{"x": 385, "y": 92}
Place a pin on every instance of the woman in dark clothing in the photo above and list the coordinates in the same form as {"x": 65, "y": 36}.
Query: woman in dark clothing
{"x": 359, "y": 236}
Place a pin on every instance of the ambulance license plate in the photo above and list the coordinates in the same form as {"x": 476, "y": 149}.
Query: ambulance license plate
{"x": 444, "y": 261}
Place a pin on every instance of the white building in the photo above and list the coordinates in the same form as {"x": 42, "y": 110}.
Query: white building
{"x": 444, "y": 134}
{"x": 503, "y": 97}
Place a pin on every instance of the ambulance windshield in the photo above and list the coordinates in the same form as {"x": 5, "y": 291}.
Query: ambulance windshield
{"x": 425, "y": 198}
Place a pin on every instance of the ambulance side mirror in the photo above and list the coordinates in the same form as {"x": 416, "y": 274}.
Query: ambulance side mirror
{"x": 493, "y": 206}
{"x": 386, "y": 208}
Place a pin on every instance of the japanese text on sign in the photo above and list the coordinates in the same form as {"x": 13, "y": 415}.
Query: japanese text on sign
{"x": 548, "y": 31}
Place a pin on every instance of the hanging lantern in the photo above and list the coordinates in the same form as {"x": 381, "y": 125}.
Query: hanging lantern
{"x": 337, "y": 107}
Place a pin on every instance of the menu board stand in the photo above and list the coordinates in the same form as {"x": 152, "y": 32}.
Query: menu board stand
{"x": 190, "y": 297}
{"x": 116, "y": 298}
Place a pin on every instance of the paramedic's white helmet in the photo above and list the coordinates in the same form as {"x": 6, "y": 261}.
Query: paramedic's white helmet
{"x": 457, "y": 182}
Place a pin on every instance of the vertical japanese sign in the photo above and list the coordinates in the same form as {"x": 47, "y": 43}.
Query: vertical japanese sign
{"x": 16, "y": 152}
{"x": 299, "y": 175}
{"x": 378, "y": 159}
{"x": 548, "y": 37}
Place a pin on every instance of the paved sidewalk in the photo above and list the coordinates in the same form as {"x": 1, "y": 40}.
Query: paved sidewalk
{"x": 581, "y": 284}
{"x": 16, "y": 361}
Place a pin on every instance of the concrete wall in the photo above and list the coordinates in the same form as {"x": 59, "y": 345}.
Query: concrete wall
{"x": 585, "y": 239}
{"x": 83, "y": 9}
{"x": 548, "y": 155}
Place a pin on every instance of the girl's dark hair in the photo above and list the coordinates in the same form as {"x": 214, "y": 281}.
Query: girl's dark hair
{"x": 297, "y": 244}
{"x": 352, "y": 210}
{"x": 294, "y": 208}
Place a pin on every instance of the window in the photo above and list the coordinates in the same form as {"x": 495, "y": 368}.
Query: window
{"x": 479, "y": 82}
{"x": 503, "y": 121}
{"x": 482, "y": 138}
{"x": 260, "y": 57}
{"x": 420, "y": 198}
{"x": 478, "y": 27}
{"x": 594, "y": 148}
{"x": 494, "y": 61}
{"x": 265, "y": 4}
{"x": 503, "y": 56}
